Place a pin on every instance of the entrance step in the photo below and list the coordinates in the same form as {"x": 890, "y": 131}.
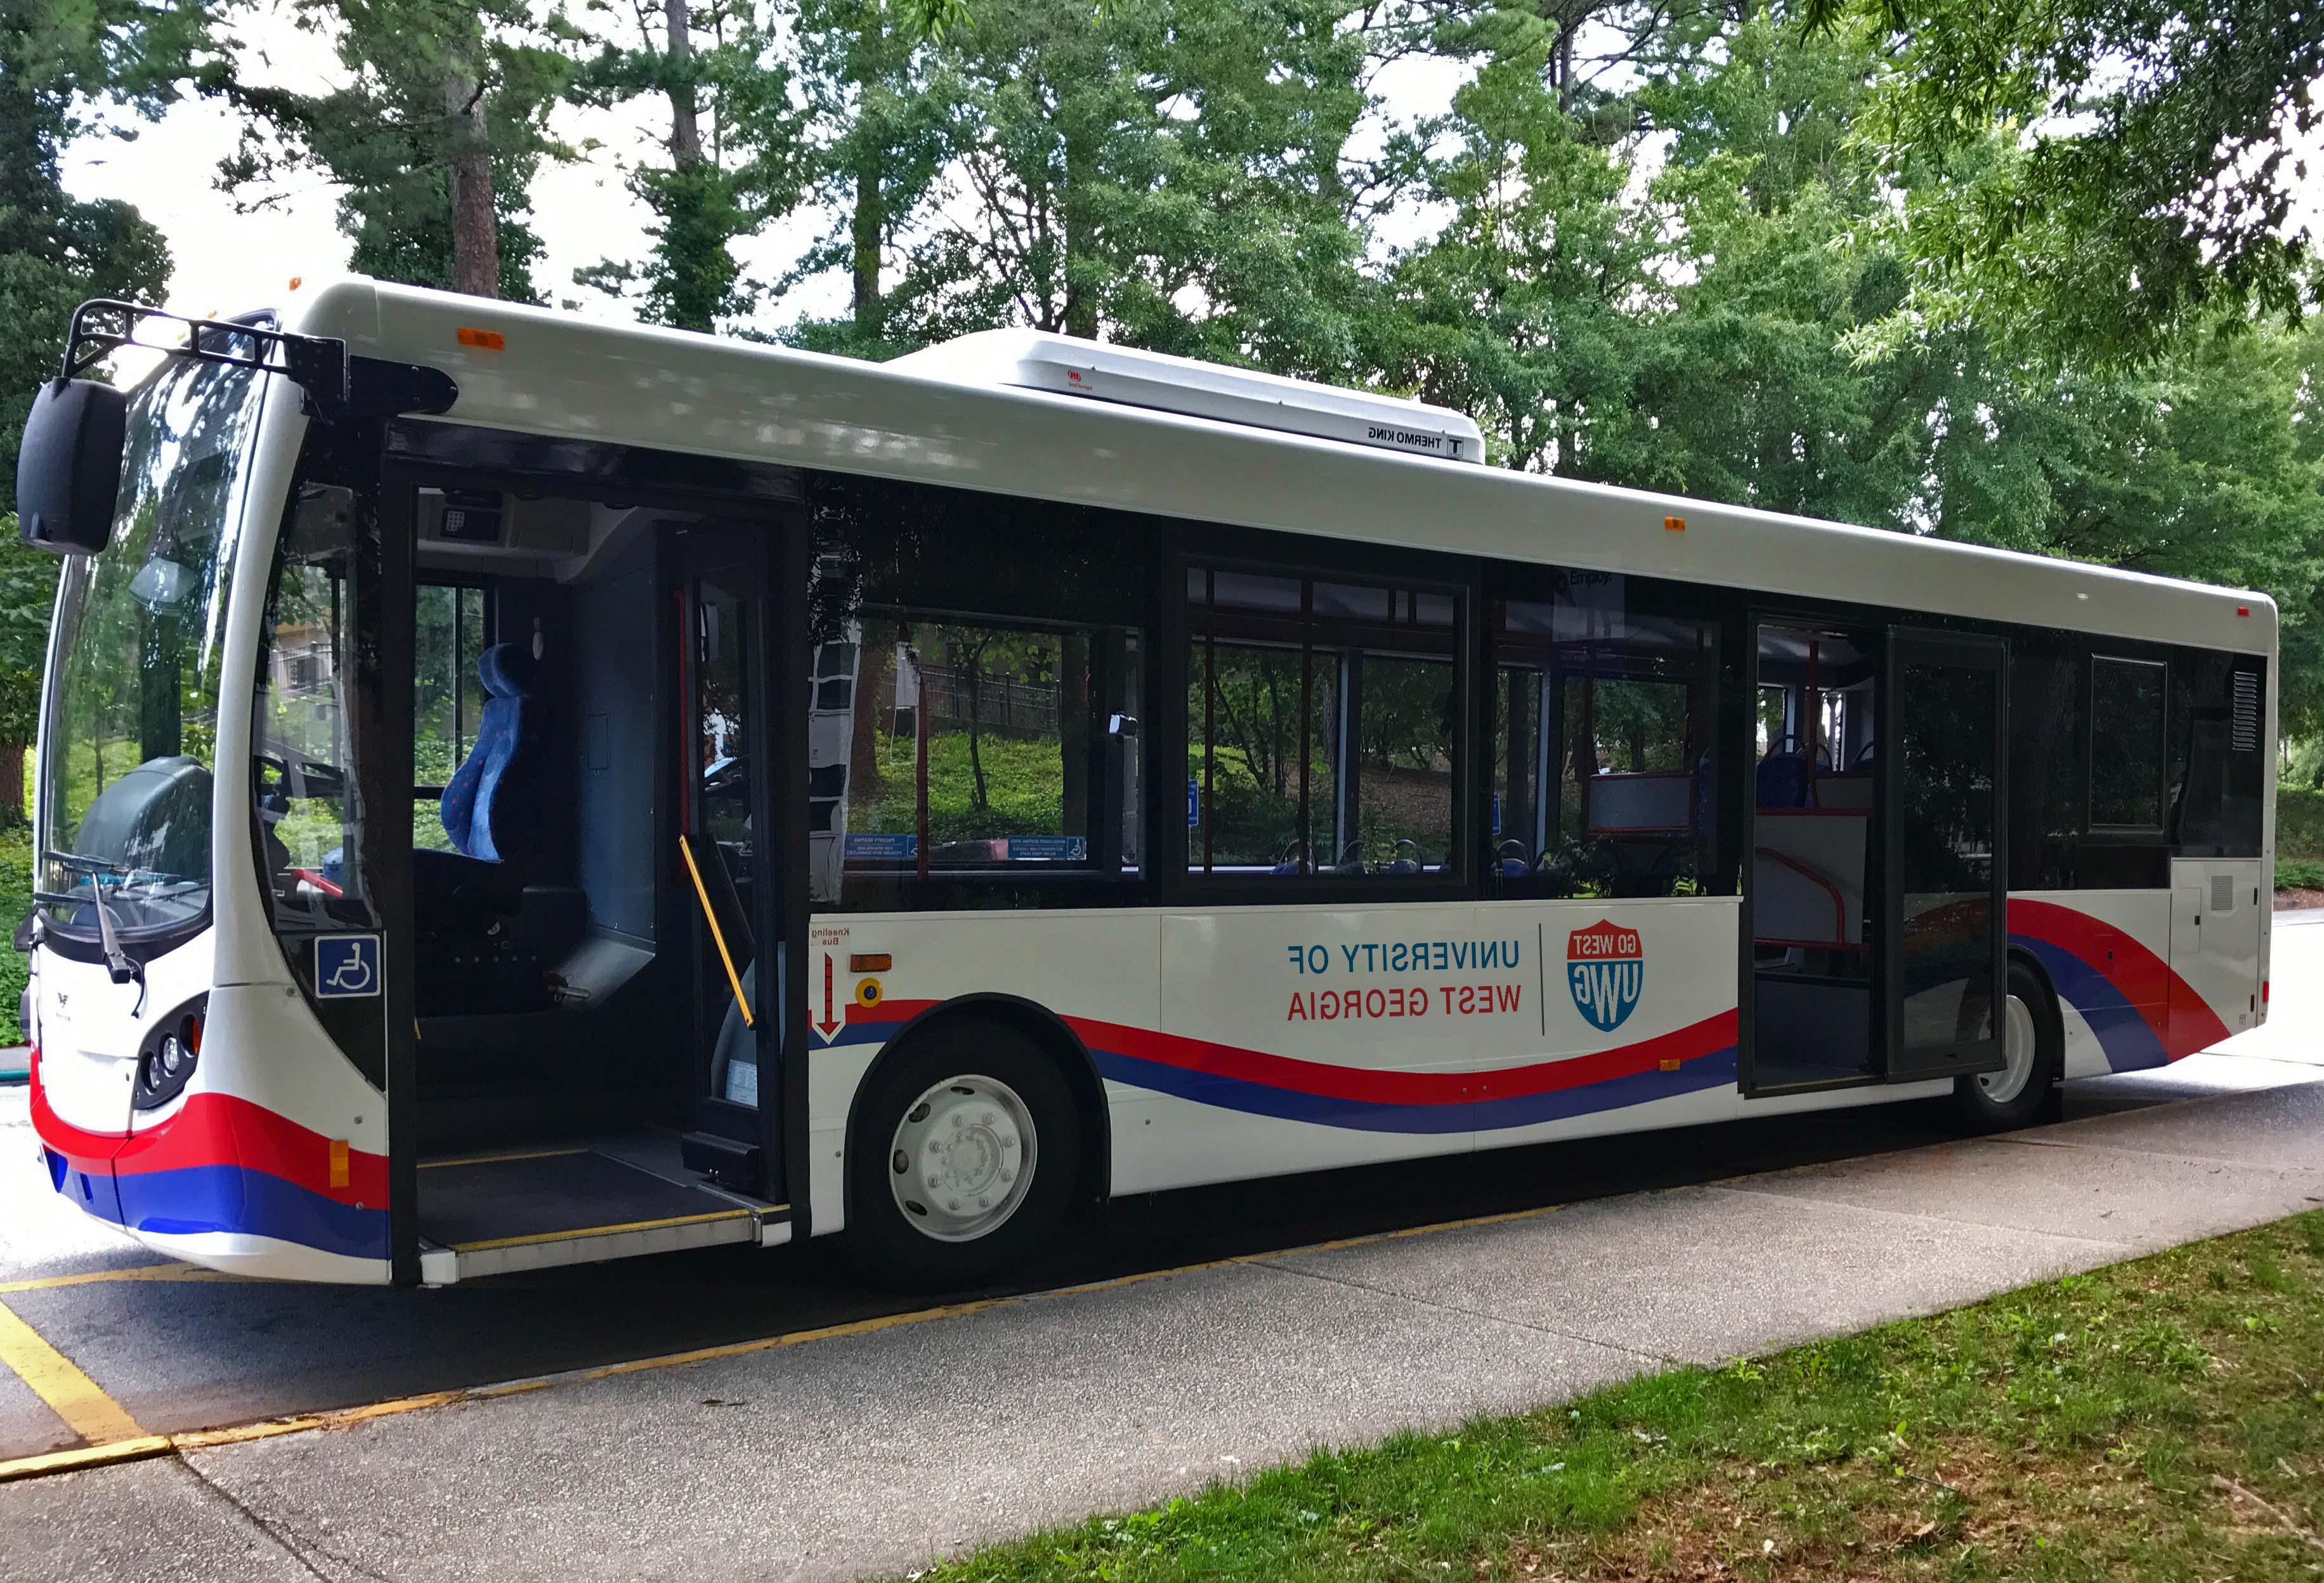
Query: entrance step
{"x": 530, "y": 1208}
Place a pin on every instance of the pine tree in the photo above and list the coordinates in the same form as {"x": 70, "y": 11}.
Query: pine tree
{"x": 434, "y": 137}
{"x": 732, "y": 150}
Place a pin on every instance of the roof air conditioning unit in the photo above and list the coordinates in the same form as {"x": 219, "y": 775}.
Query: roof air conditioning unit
{"x": 1035, "y": 360}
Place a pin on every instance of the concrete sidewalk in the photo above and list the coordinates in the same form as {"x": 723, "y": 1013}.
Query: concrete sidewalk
{"x": 878, "y": 1450}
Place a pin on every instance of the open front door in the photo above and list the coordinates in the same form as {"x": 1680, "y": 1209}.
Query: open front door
{"x": 1945, "y": 897}
{"x": 731, "y": 851}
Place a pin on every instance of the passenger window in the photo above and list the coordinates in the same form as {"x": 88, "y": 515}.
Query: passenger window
{"x": 1603, "y": 736}
{"x": 447, "y": 698}
{"x": 1320, "y": 726}
{"x": 963, "y": 747}
{"x": 2127, "y": 751}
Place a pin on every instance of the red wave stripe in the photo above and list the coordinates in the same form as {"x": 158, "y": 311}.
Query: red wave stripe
{"x": 218, "y": 1130}
{"x": 2182, "y": 1020}
{"x": 1710, "y": 1036}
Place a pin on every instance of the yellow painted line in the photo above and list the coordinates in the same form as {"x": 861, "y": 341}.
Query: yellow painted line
{"x": 152, "y": 1445}
{"x": 348, "y": 1417}
{"x": 579, "y": 1232}
{"x": 137, "y": 1273}
{"x": 56, "y": 1380}
{"x": 499, "y": 1159}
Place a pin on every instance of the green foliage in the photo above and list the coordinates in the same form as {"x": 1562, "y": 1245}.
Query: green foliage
{"x": 59, "y": 60}
{"x": 733, "y": 151}
{"x": 16, "y": 901}
{"x": 2300, "y": 821}
{"x": 2120, "y": 167}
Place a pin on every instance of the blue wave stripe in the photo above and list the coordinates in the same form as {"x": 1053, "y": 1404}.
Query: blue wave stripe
{"x": 1709, "y": 1071}
{"x": 2125, "y": 1037}
{"x": 253, "y": 1204}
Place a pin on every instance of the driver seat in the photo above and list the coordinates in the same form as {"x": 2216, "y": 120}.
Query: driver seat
{"x": 487, "y": 800}
{"x": 489, "y": 804}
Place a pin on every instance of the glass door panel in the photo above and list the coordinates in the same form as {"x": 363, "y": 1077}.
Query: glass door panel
{"x": 1946, "y": 899}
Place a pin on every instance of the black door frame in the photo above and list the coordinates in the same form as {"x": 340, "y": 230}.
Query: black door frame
{"x": 1975, "y": 651}
{"x": 746, "y": 548}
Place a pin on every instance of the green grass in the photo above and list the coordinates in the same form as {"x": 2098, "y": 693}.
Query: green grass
{"x": 2161, "y": 1420}
{"x": 1024, "y": 789}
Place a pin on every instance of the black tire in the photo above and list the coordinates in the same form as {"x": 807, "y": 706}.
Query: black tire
{"x": 975, "y": 1067}
{"x": 2000, "y": 1101}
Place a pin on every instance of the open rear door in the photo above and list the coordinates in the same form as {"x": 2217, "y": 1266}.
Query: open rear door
{"x": 1946, "y": 873}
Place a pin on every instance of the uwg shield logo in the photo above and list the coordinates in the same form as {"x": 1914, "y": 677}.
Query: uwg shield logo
{"x": 1605, "y": 967}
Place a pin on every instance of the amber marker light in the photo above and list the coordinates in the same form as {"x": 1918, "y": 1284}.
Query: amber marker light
{"x": 483, "y": 340}
{"x": 1674, "y": 524}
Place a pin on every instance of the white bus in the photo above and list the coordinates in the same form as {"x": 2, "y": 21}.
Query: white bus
{"x": 516, "y": 791}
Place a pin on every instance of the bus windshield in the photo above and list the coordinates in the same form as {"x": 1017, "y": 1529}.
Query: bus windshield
{"x": 130, "y": 733}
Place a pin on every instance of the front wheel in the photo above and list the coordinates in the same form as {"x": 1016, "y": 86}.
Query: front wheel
{"x": 2032, "y": 1058}
{"x": 963, "y": 1160}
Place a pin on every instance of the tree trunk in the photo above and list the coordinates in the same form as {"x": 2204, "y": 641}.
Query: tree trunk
{"x": 1081, "y": 236}
{"x": 476, "y": 224}
{"x": 868, "y": 224}
{"x": 11, "y": 784}
{"x": 685, "y": 119}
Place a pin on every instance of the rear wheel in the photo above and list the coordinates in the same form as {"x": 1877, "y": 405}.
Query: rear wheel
{"x": 2032, "y": 1054}
{"x": 964, "y": 1157}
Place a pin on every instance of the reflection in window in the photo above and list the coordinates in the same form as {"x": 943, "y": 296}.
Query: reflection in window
{"x": 2126, "y": 744}
{"x": 1603, "y": 733}
{"x": 448, "y": 697}
{"x": 957, "y": 747}
{"x": 1320, "y": 727}
{"x": 301, "y": 748}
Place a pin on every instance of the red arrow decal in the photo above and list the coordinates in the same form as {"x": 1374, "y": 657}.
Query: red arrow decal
{"x": 830, "y": 1024}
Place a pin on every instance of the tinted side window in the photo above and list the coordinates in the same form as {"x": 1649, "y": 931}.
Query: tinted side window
{"x": 2047, "y": 741}
{"x": 2218, "y": 736}
{"x": 1604, "y": 717}
{"x": 1320, "y": 726}
{"x": 2127, "y": 718}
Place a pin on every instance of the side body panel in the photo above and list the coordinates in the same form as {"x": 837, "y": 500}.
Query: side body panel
{"x": 2126, "y": 1003}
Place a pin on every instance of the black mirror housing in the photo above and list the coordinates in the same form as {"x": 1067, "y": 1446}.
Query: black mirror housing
{"x": 68, "y": 466}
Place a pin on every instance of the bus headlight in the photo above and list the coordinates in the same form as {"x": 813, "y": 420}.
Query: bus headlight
{"x": 170, "y": 1055}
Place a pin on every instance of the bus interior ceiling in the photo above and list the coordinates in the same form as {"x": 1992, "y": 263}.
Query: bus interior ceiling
{"x": 544, "y": 982}
{"x": 1813, "y": 869}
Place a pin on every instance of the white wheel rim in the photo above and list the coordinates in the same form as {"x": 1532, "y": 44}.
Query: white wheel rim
{"x": 962, "y": 1159}
{"x": 2017, "y": 1045}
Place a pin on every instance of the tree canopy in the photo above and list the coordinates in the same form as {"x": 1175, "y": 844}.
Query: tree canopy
{"x": 2032, "y": 277}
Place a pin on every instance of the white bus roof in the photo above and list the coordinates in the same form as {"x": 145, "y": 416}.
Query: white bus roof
{"x": 926, "y": 420}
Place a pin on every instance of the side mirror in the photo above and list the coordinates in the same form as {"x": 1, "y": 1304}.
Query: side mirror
{"x": 1121, "y": 725}
{"x": 68, "y": 466}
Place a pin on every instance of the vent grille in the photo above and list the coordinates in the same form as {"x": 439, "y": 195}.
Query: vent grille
{"x": 2223, "y": 893}
{"x": 2244, "y": 737}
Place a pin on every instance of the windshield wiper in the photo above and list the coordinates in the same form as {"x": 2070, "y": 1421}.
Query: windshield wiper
{"x": 118, "y": 964}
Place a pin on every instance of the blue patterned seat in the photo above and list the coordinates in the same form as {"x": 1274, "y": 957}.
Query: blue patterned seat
{"x": 484, "y": 807}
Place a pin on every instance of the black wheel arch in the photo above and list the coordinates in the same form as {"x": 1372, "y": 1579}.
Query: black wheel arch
{"x": 1045, "y": 1028}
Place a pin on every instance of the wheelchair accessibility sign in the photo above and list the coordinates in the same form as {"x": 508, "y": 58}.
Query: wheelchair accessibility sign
{"x": 346, "y": 966}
